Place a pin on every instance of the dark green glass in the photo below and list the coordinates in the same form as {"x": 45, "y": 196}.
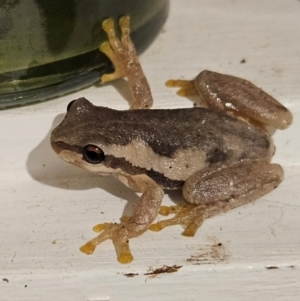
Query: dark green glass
{"x": 51, "y": 47}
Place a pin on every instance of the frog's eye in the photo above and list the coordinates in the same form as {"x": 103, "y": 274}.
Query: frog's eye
{"x": 69, "y": 105}
{"x": 93, "y": 154}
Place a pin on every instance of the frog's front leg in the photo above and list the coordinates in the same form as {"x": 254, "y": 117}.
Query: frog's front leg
{"x": 235, "y": 96}
{"x": 219, "y": 188}
{"x": 123, "y": 55}
{"x": 139, "y": 222}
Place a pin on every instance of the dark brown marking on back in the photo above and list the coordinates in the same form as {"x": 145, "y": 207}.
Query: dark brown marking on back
{"x": 165, "y": 131}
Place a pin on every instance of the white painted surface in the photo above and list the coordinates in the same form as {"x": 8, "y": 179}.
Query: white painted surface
{"x": 48, "y": 207}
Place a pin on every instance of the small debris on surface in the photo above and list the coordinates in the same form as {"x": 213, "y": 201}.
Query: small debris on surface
{"x": 163, "y": 270}
{"x": 131, "y": 275}
{"x": 271, "y": 267}
{"x": 210, "y": 254}
{"x": 5, "y": 279}
{"x": 243, "y": 61}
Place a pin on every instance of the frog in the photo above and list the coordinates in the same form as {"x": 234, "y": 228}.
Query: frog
{"x": 218, "y": 152}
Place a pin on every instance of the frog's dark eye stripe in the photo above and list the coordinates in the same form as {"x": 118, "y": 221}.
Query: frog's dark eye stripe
{"x": 93, "y": 154}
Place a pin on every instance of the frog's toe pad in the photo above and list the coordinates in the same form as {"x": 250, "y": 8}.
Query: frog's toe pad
{"x": 88, "y": 248}
{"x": 108, "y": 24}
{"x": 124, "y": 22}
{"x": 125, "y": 258}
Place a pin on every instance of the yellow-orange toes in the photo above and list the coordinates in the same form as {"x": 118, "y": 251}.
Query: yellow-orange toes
{"x": 119, "y": 73}
{"x": 124, "y": 219}
{"x": 124, "y": 23}
{"x": 123, "y": 251}
{"x": 115, "y": 49}
{"x": 125, "y": 258}
{"x": 190, "y": 217}
{"x": 187, "y": 87}
{"x": 116, "y": 233}
{"x": 108, "y": 25}
{"x": 106, "y": 49}
{"x": 88, "y": 248}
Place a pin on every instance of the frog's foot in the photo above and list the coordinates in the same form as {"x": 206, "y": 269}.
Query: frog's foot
{"x": 123, "y": 55}
{"x": 119, "y": 236}
{"x": 114, "y": 48}
{"x": 190, "y": 217}
{"x": 187, "y": 87}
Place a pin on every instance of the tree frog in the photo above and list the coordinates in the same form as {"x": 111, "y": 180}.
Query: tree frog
{"x": 219, "y": 153}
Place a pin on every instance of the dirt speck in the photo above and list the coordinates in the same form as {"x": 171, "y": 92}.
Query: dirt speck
{"x": 272, "y": 267}
{"x": 210, "y": 254}
{"x": 131, "y": 275}
{"x": 163, "y": 270}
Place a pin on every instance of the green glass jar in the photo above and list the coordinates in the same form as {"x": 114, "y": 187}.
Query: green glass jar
{"x": 49, "y": 48}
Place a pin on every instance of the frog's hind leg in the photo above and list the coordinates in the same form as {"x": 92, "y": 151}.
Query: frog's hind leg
{"x": 123, "y": 55}
{"x": 239, "y": 97}
{"x": 236, "y": 97}
{"x": 218, "y": 189}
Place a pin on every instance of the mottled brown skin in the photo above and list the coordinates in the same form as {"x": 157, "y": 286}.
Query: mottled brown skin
{"x": 219, "y": 156}
{"x": 215, "y": 89}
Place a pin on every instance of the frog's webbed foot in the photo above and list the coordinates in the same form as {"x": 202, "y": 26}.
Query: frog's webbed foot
{"x": 119, "y": 236}
{"x": 123, "y": 55}
{"x": 190, "y": 217}
{"x": 114, "y": 48}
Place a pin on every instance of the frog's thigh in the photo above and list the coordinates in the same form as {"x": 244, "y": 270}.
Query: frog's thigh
{"x": 231, "y": 185}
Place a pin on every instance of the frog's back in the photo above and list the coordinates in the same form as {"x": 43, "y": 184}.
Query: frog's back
{"x": 219, "y": 136}
{"x": 167, "y": 132}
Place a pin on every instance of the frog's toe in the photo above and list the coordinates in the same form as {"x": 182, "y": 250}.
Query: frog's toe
{"x": 105, "y": 48}
{"x": 187, "y": 87}
{"x": 124, "y": 23}
{"x": 116, "y": 49}
{"x": 118, "y": 234}
{"x": 108, "y": 25}
{"x": 190, "y": 217}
